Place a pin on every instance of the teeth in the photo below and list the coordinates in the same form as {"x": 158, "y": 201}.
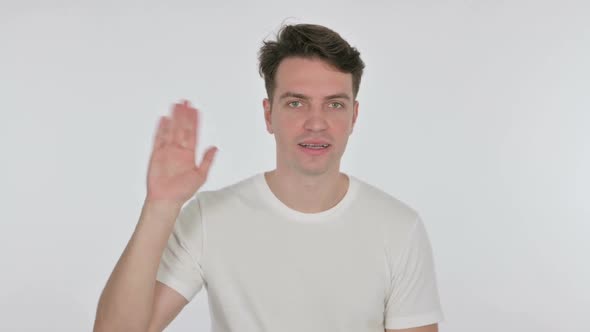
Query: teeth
{"x": 315, "y": 146}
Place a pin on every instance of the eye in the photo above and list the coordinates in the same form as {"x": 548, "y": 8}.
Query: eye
{"x": 294, "y": 104}
{"x": 336, "y": 105}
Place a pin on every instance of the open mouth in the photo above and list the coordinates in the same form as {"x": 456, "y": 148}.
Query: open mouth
{"x": 314, "y": 146}
{"x": 315, "y": 149}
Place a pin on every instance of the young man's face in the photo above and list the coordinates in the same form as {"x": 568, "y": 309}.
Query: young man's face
{"x": 312, "y": 104}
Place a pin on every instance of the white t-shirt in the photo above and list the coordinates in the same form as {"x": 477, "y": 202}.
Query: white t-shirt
{"x": 364, "y": 265}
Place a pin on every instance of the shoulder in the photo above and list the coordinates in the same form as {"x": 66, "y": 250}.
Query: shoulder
{"x": 396, "y": 219}
{"x": 379, "y": 202}
{"x": 227, "y": 195}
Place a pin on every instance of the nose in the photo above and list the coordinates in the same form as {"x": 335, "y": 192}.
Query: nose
{"x": 316, "y": 120}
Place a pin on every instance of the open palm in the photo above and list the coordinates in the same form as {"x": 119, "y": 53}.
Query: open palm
{"x": 173, "y": 175}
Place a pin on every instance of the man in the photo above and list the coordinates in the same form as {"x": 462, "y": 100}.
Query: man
{"x": 303, "y": 247}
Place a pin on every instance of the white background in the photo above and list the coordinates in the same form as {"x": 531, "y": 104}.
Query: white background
{"x": 476, "y": 113}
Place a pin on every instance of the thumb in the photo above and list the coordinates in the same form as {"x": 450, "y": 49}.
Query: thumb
{"x": 208, "y": 158}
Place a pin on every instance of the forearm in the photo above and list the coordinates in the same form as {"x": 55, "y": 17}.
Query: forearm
{"x": 126, "y": 301}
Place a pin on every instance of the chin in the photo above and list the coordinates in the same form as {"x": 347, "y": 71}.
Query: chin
{"x": 313, "y": 171}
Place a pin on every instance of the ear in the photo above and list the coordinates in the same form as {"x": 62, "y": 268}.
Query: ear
{"x": 355, "y": 113}
{"x": 266, "y": 104}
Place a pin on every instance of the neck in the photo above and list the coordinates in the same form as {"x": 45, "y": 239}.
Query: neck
{"x": 308, "y": 194}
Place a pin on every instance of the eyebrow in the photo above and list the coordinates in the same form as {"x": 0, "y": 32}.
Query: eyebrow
{"x": 304, "y": 97}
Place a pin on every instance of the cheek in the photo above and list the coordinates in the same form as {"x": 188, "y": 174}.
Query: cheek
{"x": 285, "y": 131}
{"x": 286, "y": 124}
{"x": 342, "y": 127}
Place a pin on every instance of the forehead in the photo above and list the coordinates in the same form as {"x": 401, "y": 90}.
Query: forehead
{"x": 312, "y": 77}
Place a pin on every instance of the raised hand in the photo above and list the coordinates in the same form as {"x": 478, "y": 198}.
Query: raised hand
{"x": 173, "y": 176}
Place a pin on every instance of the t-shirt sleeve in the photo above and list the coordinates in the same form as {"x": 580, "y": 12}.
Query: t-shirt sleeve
{"x": 413, "y": 298}
{"x": 180, "y": 267}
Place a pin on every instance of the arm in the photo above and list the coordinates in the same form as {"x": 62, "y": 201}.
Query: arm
{"x": 413, "y": 303}
{"x": 427, "y": 328}
{"x": 132, "y": 299}
{"x": 167, "y": 304}
{"x": 128, "y": 298}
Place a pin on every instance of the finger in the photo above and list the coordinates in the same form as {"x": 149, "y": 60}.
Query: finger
{"x": 163, "y": 132}
{"x": 176, "y": 123}
{"x": 191, "y": 127}
{"x": 207, "y": 161}
{"x": 176, "y": 117}
{"x": 184, "y": 125}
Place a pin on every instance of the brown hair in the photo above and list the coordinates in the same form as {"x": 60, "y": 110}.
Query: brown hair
{"x": 309, "y": 41}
